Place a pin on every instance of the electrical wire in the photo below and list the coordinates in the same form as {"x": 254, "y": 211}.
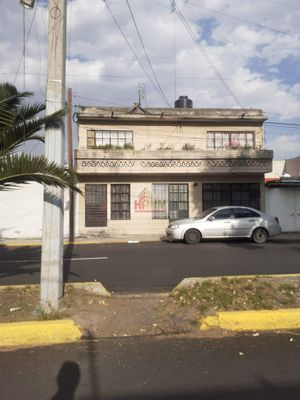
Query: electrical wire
{"x": 132, "y": 49}
{"x": 261, "y": 26}
{"x": 24, "y": 49}
{"x": 146, "y": 54}
{"x": 39, "y": 73}
{"x": 283, "y": 124}
{"x": 25, "y": 44}
{"x": 97, "y": 99}
{"x": 282, "y": 5}
{"x": 174, "y": 55}
{"x": 205, "y": 55}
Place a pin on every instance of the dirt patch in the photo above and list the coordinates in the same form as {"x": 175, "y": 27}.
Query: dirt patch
{"x": 119, "y": 315}
{"x": 154, "y": 314}
{"x": 19, "y": 304}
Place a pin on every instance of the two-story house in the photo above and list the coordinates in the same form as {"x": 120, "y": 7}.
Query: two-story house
{"x": 140, "y": 168}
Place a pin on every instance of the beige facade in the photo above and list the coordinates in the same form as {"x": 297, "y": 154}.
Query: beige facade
{"x": 140, "y": 168}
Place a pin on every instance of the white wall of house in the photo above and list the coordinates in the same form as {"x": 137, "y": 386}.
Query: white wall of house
{"x": 21, "y": 212}
{"x": 285, "y": 204}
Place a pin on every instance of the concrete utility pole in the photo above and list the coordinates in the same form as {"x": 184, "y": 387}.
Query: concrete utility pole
{"x": 53, "y": 218}
{"x": 70, "y": 165}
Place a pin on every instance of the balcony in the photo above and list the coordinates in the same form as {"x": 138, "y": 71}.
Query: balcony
{"x": 173, "y": 162}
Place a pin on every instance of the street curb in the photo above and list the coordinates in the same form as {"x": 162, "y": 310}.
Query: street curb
{"x": 253, "y": 320}
{"x": 189, "y": 282}
{"x": 37, "y": 333}
{"x": 91, "y": 287}
{"x": 80, "y": 242}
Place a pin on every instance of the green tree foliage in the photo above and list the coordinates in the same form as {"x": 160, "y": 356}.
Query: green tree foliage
{"x": 19, "y": 123}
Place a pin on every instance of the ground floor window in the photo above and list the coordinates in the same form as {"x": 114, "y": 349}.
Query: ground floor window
{"x": 170, "y": 201}
{"x": 230, "y": 194}
{"x": 120, "y": 202}
{"x": 95, "y": 205}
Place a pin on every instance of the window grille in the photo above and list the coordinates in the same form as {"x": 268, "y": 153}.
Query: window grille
{"x": 95, "y": 205}
{"x": 230, "y": 194}
{"x": 159, "y": 201}
{"x": 120, "y": 202}
{"x": 113, "y": 138}
{"x": 229, "y": 140}
{"x": 170, "y": 201}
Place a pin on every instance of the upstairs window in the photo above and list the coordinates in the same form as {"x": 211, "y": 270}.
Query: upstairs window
{"x": 110, "y": 139}
{"x": 229, "y": 140}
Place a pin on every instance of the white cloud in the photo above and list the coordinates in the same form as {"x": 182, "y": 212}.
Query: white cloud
{"x": 101, "y": 65}
{"x": 285, "y": 146}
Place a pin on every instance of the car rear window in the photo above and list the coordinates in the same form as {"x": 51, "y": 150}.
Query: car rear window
{"x": 244, "y": 213}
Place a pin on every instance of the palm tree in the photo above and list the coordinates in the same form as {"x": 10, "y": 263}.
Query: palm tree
{"x": 20, "y": 123}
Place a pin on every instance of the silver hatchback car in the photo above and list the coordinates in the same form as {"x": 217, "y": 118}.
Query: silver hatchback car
{"x": 225, "y": 222}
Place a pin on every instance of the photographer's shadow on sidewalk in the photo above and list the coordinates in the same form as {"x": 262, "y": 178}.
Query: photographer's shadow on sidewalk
{"x": 67, "y": 380}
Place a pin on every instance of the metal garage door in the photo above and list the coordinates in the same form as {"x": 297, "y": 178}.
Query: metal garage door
{"x": 284, "y": 203}
{"x": 230, "y": 194}
{"x": 95, "y": 205}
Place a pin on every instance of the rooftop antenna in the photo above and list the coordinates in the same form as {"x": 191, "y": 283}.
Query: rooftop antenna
{"x": 142, "y": 93}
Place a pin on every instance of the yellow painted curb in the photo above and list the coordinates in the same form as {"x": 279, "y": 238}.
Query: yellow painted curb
{"x": 36, "y": 333}
{"x": 253, "y": 320}
{"x": 109, "y": 241}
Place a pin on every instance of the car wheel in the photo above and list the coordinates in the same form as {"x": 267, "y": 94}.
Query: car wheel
{"x": 192, "y": 236}
{"x": 260, "y": 235}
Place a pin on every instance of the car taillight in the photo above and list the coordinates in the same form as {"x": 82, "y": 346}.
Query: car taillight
{"x": 277, "y": 220}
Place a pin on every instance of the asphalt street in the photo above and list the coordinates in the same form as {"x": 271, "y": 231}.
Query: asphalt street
{"x": 242, "y": 367}
{"x": 157, "y": 266}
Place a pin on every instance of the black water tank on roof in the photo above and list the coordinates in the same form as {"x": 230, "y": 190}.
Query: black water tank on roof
{"x": 183, "y": 102}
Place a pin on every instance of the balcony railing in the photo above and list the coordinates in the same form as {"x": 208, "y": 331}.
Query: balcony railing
{"x": 163, "y": 161}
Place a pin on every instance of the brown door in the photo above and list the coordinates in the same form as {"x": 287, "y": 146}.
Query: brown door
{"x": 95, "y": 205}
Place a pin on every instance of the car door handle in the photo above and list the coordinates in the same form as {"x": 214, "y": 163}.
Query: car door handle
{"x": 227, "y": 222}
{"x": 292, "y": 214}
{"x": 251, "y": 220}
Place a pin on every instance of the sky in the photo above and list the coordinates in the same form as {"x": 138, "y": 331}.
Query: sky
{"x": 220, "y": 53}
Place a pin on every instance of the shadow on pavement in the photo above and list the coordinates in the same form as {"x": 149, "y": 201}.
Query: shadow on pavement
{"x": 266, "y": 391}
{"x": 68, "y": 254}
{"x": 19, "y": 260}
{"x": 26, "y": 260}
{"x": 67, "y": 380}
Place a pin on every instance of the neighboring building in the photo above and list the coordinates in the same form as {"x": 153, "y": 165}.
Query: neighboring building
{"x": 21, "y": 212}
{"x": 283, "y": 193}
{"x": 140, "y": 168}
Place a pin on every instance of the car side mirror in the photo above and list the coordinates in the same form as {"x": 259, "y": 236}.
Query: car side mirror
{"x": 211, "y": 218}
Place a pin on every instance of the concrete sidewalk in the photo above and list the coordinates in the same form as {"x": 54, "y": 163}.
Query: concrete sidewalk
{"x": 94, "y": 239}
{"x": 86, "y": 240}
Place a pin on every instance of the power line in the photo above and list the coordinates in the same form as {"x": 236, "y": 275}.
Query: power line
{"x": 204, "y": 53}
{"x": 132, "y": 49}
{"x": 174, "y": 55}
{"x": 282, "y": 5}
{"x": 146, "y": 54}
{"x": 97, "y": 99}
{"x": 283, "y": 124}
{"x": 261, "y": 26}
{"x": 25, "y": 44}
